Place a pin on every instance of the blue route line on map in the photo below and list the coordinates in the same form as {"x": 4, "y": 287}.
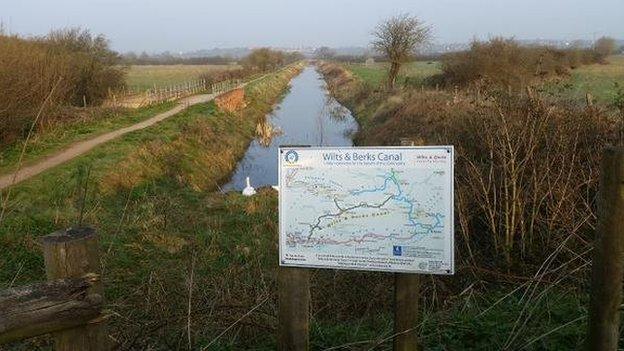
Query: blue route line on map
{"x": 402, "y": 198}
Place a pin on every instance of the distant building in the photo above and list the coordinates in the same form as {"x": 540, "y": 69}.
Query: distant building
{"x": 369, "y": 61}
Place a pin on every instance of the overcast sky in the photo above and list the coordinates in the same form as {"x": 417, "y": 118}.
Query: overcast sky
{"x": 183, "y": 25}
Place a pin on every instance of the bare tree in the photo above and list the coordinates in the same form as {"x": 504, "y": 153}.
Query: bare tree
{"x": 398, "y": 38}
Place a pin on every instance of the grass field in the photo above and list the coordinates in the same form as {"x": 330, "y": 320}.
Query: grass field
{"x": 144, "y": 77}
{"x": 375, "y": 74}
{"x": 597, "y": 79}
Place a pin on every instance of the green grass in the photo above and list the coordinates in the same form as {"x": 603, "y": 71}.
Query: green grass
{"x": 42, "y": 194}
{"x": 475, "y": 321}
{"x": 414, "y": 73}
{"x": 491, "y": 320}
{"x": 61, "y": 135}
{"x": 146, "y": 76}
{"x": 597, "y": 79}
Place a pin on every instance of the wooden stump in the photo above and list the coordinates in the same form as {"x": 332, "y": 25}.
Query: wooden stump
{"x": 73, "y": 253}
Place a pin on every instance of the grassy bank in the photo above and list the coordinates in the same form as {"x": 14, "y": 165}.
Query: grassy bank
{"x": 480, "y": 126}
{"x": 150, "y": 194}
{"x": 522, "y": 240}
{"x": 54, "y": 137}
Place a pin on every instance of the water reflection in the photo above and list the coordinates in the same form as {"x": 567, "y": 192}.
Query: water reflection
{"x": 308, "y": 115}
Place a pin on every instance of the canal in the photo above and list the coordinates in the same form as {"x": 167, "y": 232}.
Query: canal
{"x": 307, "y": 115}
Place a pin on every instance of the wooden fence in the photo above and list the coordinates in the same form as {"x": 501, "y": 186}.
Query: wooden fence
{"x": 173, "y": 92}
{"x": 155, "y": 95}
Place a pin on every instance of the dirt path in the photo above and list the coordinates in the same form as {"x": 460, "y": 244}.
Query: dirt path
{"x": 81, "y": 147}
{"x": 78, "y": 148}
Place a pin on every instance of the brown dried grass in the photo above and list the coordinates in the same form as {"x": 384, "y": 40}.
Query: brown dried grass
{"x": 526, "y": 167}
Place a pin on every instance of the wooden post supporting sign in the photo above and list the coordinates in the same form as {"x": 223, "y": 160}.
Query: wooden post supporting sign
{"x": 406, "y": 311}
{"x": 294, "y": 309}
{"x": 294, "y": 283}
{"x": 406, "y": 299}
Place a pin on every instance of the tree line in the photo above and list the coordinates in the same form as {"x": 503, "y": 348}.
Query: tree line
{"x": 505, "y": 63}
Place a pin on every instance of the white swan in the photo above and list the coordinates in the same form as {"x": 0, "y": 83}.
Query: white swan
{"x": 249, "y": 190}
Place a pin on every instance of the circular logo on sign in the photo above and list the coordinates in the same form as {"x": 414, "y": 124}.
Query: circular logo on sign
{"x": 291, "y": 156}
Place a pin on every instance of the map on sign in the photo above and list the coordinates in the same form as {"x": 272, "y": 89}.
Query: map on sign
{"x": 386, "y": 209}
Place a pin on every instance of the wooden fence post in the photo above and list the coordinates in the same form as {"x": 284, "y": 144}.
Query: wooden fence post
{"x": 608, "y": 260}
{"x": 72, "y": 253}
{"x": 294, "y": 308}
{"x": 589, "y": 100}
{"x": 406, "y": 311}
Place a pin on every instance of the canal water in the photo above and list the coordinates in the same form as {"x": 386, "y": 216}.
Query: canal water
{"x": 307, "y": 115}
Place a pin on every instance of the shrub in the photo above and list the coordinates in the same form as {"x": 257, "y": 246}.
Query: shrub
{"x": 71, "y": 66}
{"x": 265, "y": 59}
{"x": 505, "y": 63}
{"x": 91, "y": 63}
{"x": 27, "y": 75}
{"x": 258, "y": 61}
{"x": 604, "y": 47}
